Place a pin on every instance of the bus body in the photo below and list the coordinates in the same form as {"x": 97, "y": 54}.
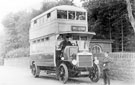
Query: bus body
{"x": 46, "y": 33}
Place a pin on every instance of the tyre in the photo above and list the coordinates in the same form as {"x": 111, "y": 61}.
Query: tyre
{"x": 63, "y": 73}
{"x": 35, "y": 70}
{"x": 95, "y": 73}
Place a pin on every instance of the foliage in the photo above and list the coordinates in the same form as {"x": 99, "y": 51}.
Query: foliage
{"x": 109, "y": 19}
{"x": 21, "y": 52}
{"x": 65, "y": 2}
{"x": 17, "y": 30}
{"x": 131, "y": 42}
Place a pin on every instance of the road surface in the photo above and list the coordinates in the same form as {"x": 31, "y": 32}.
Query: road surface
{"x": 10, "y": 75}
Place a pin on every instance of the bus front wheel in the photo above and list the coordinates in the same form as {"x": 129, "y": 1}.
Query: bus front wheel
{"x": 95, "y": 73}
{"x": 63, "y": 73}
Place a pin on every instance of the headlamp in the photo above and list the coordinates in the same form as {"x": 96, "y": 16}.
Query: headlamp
{"x": 62, "y": 58}
{"x": 74, "y": 62}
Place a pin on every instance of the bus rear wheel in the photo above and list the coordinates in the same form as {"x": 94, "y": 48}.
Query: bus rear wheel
{"x": 35, "y": 70}
{"x": 63, "y": 73}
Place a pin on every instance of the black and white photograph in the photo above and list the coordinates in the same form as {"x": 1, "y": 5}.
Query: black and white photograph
{"x": 67, "y": 42}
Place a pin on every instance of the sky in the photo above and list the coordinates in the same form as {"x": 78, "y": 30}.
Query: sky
{"x": 8, "y": 6}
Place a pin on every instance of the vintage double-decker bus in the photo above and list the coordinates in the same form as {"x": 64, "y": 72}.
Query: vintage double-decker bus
{"x": 47, "y": 32}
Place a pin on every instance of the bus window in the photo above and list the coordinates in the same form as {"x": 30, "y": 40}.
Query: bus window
{"x": 75, "y": 37}
{"x": 80, "y": 15}
{"x": 83, "y": 37}
{"x": 38, "y": 40}
{"x": 35, "y": 21}
{"x": 48, "y": 15}
{"x": 61, "y": 14}
{"x": 47, "y": 38}
{"x": 71, "y": 15}
{"x": 34, "y": 41}
{"x": 42, "y": 39}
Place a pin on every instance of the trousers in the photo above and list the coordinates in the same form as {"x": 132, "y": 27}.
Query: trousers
{"x": 106, "y": 77}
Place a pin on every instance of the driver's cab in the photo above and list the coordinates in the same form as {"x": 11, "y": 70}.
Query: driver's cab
{"x": 80, "y": 44}
{"x": 81, "y": 40}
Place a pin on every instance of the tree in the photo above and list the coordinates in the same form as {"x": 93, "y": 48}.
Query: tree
{"x": 65, "y": 2}
{"x": 131, "y": 12}
{"x": 109, "y": 19}
{"x": 17, "y": 30}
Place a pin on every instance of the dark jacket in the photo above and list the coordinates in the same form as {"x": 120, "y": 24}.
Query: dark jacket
{"x": 106, "y": 63}
{"x": 64, "y": 43}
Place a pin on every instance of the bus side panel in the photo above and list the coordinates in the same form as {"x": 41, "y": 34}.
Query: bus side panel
{"x": 43, "y": 59}
{"x": 48, "y": 28}
{"x": 43, "y": 52}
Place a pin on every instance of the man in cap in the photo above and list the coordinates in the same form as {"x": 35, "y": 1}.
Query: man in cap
{"x": 65, "y": 43}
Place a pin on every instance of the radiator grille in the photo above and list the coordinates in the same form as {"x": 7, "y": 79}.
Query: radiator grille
{"x": 85, "y": 61}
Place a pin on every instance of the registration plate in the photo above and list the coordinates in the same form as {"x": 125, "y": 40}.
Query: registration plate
{"x": 85, "y": 73}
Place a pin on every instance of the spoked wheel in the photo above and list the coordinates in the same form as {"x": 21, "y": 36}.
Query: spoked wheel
{"x": 63, "y": 73}
{"x": 95, "y": 73}
{"x": 35, "y": 70}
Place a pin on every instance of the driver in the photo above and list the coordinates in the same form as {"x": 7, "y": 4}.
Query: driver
{"x": 65, "y": 43}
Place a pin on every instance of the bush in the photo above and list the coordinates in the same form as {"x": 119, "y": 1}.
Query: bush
{"x": 21, "y": 52}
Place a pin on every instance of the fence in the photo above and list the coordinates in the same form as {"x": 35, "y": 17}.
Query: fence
{"x": 123, "y": 66}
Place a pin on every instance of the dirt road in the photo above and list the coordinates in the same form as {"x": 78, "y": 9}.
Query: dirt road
{"x": 10, "y": 75}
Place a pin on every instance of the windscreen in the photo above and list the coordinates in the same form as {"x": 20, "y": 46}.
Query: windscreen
{"x": 82, "y": 41}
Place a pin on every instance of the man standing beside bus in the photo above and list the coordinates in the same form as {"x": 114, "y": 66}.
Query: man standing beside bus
{"x": 106, "y": 69}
